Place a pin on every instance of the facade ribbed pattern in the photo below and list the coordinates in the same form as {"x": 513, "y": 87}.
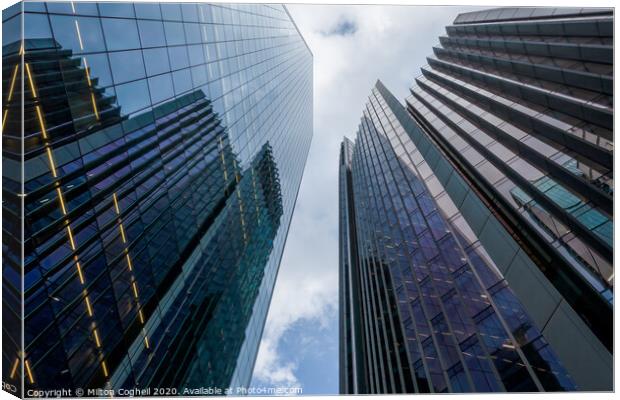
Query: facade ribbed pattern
{"x": 521, "y": 102}
{"x": 435, "y": 313}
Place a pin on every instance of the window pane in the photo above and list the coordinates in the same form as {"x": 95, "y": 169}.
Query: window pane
{"x": 127, "y": 66}
{"x": 175, "y": 34}
{"x": 199, "y": 75}
{"x": 90, "y": 37}
{"x": 192, "y": 33}
{"x": 59, "y": 7}
{"x": 120, "y": 34}
{"x": 84, "y": 8}
{"x": 182, "y": 81}
{"x": 99, "y": 70}
{"x": 156, "y": 61}
{"x": 161, "y": 88}
{"x": 196, "y": 56}
{"x": 36, "y": 26}
{"x": 116, "y": 9}
{"x": 190, "y": 12}
{"x": 171, "y": 11}
{"x": 147, "y": 10}
{"x": 12, "y": 32}
{"x": 133, "y": 96}
{"x": 178, "y": 57}
{"x": 152, "y": 33}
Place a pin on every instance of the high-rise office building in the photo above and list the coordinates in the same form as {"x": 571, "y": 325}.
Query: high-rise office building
{"x": 152, "y": 155}
{"x": 502, "y": 168}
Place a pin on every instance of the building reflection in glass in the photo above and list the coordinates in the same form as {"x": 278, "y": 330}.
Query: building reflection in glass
{"x": 146, "y": 236}
{"x": 426, "y": 310}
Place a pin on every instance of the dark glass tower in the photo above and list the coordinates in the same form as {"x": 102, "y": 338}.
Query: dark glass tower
{"x": 149, "y": 180}
{"x": 506, "y": 146}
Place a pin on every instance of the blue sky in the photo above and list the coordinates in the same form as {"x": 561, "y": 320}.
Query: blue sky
{"x": 353, "y": 46}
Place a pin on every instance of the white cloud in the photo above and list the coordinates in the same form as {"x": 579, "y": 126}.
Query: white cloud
{"x": 390, "y": 43}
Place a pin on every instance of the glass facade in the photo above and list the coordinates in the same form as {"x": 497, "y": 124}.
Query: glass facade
{"x": 521, "y": 102}
{"x": 152, "y": 156}
{"x": 503, "y": 159}
{"x": 427, "y": 305}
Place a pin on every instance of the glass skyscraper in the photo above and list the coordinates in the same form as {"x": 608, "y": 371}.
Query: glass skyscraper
{"x": 152, "y": 155}
{"x": 476, "y": 221}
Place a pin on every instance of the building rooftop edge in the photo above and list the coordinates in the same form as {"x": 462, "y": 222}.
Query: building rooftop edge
{"x": 500, "y": 14}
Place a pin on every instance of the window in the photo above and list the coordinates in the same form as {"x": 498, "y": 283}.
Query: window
{"x": 161, "y": 88}
{"x": 199, "y": 75}
{"x": 81, "y": 8}
{"x": 98, "y": 68}
{"x": 175, "y": 34}
{"x": 192, "y": 33}
{"x": 190, "y": 12}
{"x": 90, "y": 38}
{"x": 152, "y": 33}
{"x": 182, "y": 81}
{"x": 147, "y": 10}
{"x": 120, "y": 34}
{"x": 171, "y": 11}
{"x": 36, "y": 26}
{"x": 133, "y": 96}
{"x": 116, "y": 9}
{"x": 127, "y": 66}
{"x": 196, "y": 55}
{"x": 156, "y": 61}
{"x": 12, "y": 31}
{"x": 178, "y": 57}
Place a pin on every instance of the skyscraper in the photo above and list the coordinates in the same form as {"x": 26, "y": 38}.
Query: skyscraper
{"x": 491, "y": 192}
{"x": 151, "y": 166}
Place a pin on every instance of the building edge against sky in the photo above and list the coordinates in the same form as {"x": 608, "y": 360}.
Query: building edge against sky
{"x": 513, "y": 117}
{"x": 163, "y": 148}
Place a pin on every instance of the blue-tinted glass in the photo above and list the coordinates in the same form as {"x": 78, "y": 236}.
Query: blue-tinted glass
{"x": 85, "y": 8}
{"x": 11, "y": 11}
{"x": 178, "y": 57}
{"x": 36, "y": 26}
{"x": 152, "y": 33}
{"x": 190, "y": 12}
{"x": 79, "y": 34}
{"x": 133, "y": 96}
{"x": 175, "y": 34}
{"x": 196, "y": 55}
{"x": 99, "y": 69}
{"x": 34, "y": 6}
{"x": 117, "y": 9}
{"x": 127, "y": 66}
{"x": 120, "y": 34}
{"x": 182, "y": 81}
{"x": 59, "y": 7}
{"x": 192, "y": 33}
{"x": 108, "y": 101}
{"x": 161, "y": 87}
{"x": 606, "y": 232}
{"x": 12, "y": 31}
{"x": 215, "y": 87}
{"x": 589, "y": 216}
{"x": 199, "y": 75}
{"x": 171, "y": 11}
{"x": 156, "y": 61}
{"x": 147, "y": 10}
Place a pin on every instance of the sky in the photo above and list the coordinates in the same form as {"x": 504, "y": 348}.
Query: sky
{"x": 353, "y": 46}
